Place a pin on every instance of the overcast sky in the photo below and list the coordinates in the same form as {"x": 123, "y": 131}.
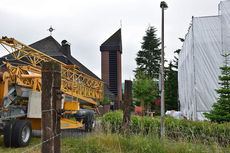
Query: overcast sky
{"x": 86, "y": 24}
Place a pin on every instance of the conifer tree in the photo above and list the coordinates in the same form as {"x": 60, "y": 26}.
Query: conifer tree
{"x": 221, "y": 109}
{"x": 148, "y": 58}
{"x": 171, "y": 88}
{"x": 171, "y": 83}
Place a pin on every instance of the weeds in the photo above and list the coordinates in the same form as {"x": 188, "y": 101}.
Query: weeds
{"x": 135, "y": 143}
{"x": 205, "y": 132}
{"x": 182, "y": 136}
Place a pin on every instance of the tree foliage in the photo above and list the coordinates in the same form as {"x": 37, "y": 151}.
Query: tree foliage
{"x": 106, "y": 100}
{"x": 175, "y": 60}
{"x": 221, "y": 109}
{"x": 171, "y": 88}
{"x": 148, "y": 58}
{"x": 145, "y": 90}
{"x": 171, "y": 83}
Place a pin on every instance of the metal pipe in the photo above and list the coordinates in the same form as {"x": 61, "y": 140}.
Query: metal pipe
{"x": 163, "y": 6}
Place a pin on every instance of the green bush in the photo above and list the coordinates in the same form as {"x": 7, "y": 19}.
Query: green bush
{"x": 176, "y": 129}
{"x": 112, "y": 121}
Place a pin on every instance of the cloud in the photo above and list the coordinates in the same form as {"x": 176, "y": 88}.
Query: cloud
{"x": 86, "y": 24}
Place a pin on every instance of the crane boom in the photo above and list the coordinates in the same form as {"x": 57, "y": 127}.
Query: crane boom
{"x": 74, "y": 82}
{"x": 21, "y": 87}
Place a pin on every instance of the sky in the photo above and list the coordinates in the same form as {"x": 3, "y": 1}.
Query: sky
{"x": 86, "y": 24}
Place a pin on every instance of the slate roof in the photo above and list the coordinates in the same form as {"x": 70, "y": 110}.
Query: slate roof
{"x": 113, "y": 43}
{"x": 48, "y": 46}
{"x": 52, "y": 48}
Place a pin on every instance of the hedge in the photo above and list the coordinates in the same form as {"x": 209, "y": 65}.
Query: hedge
{"x": 174, "y": 128}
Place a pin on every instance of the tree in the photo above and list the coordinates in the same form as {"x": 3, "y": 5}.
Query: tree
{"x": 176, "y": 58}
{"x": 106, "y": 100}
{"x": 148, "y": 58}
{"x": 171, "y": 88}
{"x": 221, "y": 109}
{"x": 171, "y": 83}
{"x": 144, "y": 90}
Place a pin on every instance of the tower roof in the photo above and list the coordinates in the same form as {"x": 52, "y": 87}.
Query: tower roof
{"x": 113, "y": 43}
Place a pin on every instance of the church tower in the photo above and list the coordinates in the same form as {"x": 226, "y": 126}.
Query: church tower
{"x": 111, "y": 51}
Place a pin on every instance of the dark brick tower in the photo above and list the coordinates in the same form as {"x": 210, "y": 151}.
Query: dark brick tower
{"x": 111, "y": 51}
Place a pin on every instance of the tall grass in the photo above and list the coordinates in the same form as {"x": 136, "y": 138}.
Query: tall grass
{"x": 182, "y": 136}
{"x": 205, "y": 132}
{"x": 99, "y": 142}
{"x": 135, "y": 143}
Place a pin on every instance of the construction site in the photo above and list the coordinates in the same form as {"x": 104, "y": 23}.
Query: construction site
{"x": 77, "y": 95}
{"x": 50, "y": 102}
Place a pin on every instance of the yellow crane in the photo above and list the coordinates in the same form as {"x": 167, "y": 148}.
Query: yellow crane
{"x": 20, "y": 92}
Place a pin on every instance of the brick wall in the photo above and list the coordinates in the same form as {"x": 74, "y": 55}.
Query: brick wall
{"x": 105, "y": 73}
{"x": 105, "y": 66}
{"x": 119, "y": 88}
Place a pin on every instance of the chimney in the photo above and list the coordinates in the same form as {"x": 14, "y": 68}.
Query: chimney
{"x": 66, "y": 47}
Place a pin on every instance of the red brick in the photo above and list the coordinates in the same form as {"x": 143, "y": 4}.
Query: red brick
{"x": 105, "y": 66}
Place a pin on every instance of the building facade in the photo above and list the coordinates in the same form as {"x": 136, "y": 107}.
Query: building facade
{"x": 111, "y": 51}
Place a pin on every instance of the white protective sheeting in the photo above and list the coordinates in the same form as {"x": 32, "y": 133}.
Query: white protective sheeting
{"x": 198, "y": 69}
{"x": 224, "y": 9}
{"x": 199, "y": 62}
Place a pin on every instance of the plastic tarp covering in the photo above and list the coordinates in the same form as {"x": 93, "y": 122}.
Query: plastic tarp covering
{"x": 198, "y": 68}
{"x": 224, "y": 9}
{"x": 199, "y": 62}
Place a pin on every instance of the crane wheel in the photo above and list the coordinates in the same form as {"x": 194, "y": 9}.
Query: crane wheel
{"x": 87, "y": 116}
{"x": 8, "y": 133}
{"x": 22, "y": 133}
{"x": 17, "y": 133}
{"x": 89, "y": 122}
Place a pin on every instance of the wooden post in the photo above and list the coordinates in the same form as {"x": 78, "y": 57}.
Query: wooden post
{"x": 127, "y": 106}
{"x": 51, "y": 107}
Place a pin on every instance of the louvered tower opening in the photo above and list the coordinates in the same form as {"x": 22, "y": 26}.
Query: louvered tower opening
{"x": 113, "y": 72}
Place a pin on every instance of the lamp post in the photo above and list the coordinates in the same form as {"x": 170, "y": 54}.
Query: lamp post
{"x": 163, "y": 6}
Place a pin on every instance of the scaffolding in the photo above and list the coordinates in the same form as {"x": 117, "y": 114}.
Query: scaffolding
{"x": 199, "y": 61}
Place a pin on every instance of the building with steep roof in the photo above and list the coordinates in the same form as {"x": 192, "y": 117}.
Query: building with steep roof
{"x": 111, "y": 51}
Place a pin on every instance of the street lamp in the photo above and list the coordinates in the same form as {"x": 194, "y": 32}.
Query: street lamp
{"x": 163, "y": 6}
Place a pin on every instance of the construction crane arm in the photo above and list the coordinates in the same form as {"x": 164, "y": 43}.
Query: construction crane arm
{"x": 74, "y": 82}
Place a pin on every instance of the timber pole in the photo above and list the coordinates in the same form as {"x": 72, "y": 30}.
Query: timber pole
{"x": 51, "y": 107}
{"x": 127, "y": 106}
{"x": 163, "y": 6}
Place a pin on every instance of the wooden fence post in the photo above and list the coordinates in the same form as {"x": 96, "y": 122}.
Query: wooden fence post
{"x": 51, "y": 107}
{"x": 127, "y": 106}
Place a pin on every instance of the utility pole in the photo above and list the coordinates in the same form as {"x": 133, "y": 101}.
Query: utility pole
{"x": 163, "y": 6}
{"x": 51, "y": 107}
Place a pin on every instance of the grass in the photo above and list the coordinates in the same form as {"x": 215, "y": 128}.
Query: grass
{"x": 116, "y": 143}
{"x": 33, "y": 142}
{"x": 190, "y": 131}
{"x": 182, "y": 137}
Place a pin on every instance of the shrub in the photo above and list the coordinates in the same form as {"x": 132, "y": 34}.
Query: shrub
{"x": 112, "y": 121}
{"x": 176, "y": 129}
